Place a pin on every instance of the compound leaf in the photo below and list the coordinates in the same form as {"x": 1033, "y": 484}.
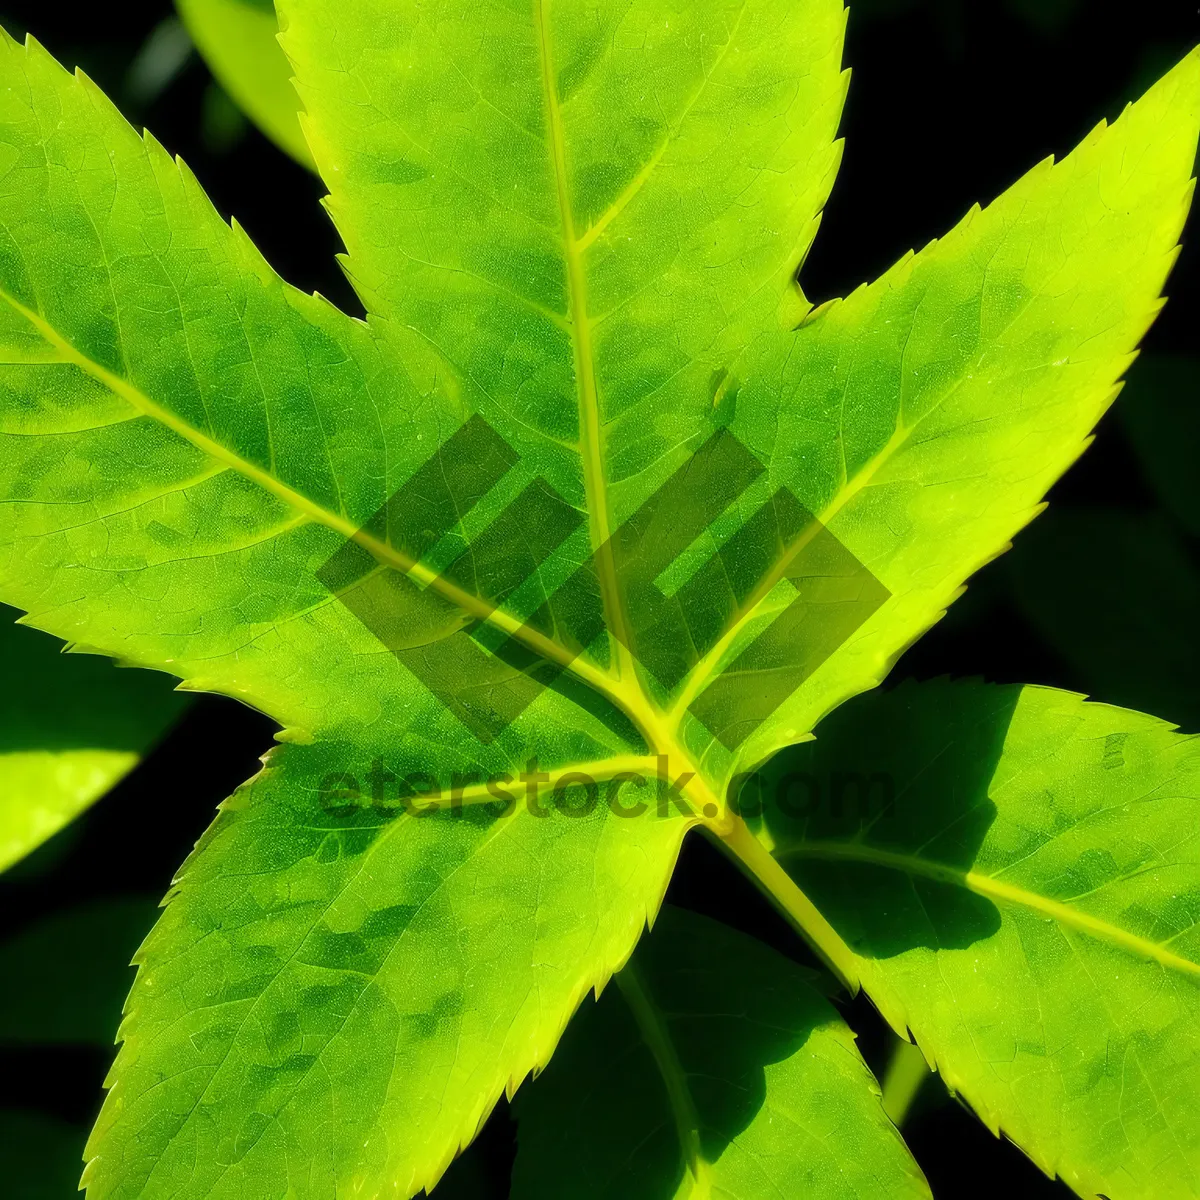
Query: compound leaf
{"x": 576, "y": 230}
{"x": 1017, "y": 871}
{"x": 922, "y": 420}
{"x": 711, "y": 1066}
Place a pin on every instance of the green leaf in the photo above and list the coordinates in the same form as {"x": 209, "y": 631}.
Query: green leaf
{"x": 1016, "y": 870}
{"x": 202, "y": 562}
{"x": 319, "y": 982}
{"x": 238, "y": 41}
{"x": 70, "y": 728}
{"x": 903, "y": 417}
{"x": 69, "y": 972}
{"x": 1117, "y": 595}
{"x": 600, "y": 271}
{"x": 924, "y": 418}
{"x": 710, "y": 1067}
{"x": 1162, "y": 419}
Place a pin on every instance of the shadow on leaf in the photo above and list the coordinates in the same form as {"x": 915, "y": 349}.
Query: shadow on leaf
{"x": 676, "y": 1055}
{"x": 892, "y": 814}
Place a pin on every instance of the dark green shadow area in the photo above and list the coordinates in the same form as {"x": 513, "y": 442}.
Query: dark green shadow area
{"x": 470, "y": 1177}
{"x": 56, "y": 701}
{"x": 65, "y": 977}
{"x": 1160, "y": 412}
{"x": 721, "y": 1005}
{"x": 1115, "y": 592}
{"x": 877, "y": 817}
{"x": 68, "y": 974}
{"x": 1117, "y": 596}
{"x": 41, "y": 1157}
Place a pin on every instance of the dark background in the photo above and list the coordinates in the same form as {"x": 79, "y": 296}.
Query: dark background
{"x": 951, "y": 101}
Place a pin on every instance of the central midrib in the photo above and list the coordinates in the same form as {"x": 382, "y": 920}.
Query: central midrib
{"x": 591, "y": 432}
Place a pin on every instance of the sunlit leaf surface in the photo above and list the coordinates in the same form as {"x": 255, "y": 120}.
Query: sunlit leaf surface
{"x": 576, "y": 229}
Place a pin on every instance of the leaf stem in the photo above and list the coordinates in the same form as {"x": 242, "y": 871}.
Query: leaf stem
{"x": 591, "y": 432}
{"x": 779, "y": 886}
{"x": 731, "y": 831}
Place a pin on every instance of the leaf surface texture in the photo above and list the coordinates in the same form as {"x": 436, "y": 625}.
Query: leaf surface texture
{"x": 580, "y": 224}
{"x": 1017, "y": 870}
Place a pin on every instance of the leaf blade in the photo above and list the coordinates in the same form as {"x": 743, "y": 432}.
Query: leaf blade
{"x": 301, "y": 933}
{"x": 711, "y": 1066}
{"x": 1023, "y": 907}
{"x": 955, "y": 412}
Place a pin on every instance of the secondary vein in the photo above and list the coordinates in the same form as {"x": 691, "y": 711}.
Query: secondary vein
{"x": 707, "y": 666}
{"x": 683, "y": 1110}
{"x": 995, "y": 889}
{"x": 648, "y": 168}
{"x": 382, "y": 551}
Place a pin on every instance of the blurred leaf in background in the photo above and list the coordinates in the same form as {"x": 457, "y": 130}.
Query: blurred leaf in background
{"x": 71, "y": 725}
{"x": 237, "y": 40}
{"x": 1045, "y": 16}
{"x": 65, "y": 980}
{"x": 1160, "y": 412}
{"x": 1116, "y": 592}
{"x": 163, "y": 55}
{"x": 67, "y": 974}
{"x": 39, "y": 1155}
